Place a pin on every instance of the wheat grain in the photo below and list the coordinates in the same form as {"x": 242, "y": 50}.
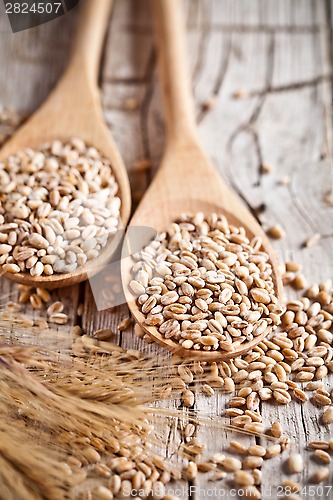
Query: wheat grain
{"x": 320, "y": 475}
{"x": 243, "y": 478}
{"x": 323, "y": 456}
{"x": 256, "y": 450}
{"x": 295, "y": 463}
{"x": 231, "y": 464}
{"x": 252, "y": 462}
{"x": 328, "y": 416}
{"x": 276, "y": 232}
{"x": 124, "y": 324}
{"x": 292, "y": 486}
{"x": 312, "y": 240}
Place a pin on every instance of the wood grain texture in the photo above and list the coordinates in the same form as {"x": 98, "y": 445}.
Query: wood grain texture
{"x": 279, "y": 55}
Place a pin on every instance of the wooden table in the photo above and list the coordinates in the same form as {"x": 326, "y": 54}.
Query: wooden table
{"x": 262, "y": 79}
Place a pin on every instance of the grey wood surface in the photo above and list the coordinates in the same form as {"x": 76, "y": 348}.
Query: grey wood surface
{"x": 276, "y": 58}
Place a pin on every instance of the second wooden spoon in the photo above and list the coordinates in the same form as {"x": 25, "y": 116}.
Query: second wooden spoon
{"x": 187, "y": 181}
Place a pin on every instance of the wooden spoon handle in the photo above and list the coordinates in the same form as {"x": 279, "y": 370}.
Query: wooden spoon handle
{"x": 178, "y": 99}
{"x": 87, "y": 47}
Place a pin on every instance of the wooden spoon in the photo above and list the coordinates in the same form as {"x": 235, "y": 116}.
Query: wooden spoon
{"x": 73, "y": 110}
{"x": 186, "y": 181}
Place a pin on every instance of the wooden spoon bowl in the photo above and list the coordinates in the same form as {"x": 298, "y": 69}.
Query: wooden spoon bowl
{"x": 174, "y": 192}
{"x": 187, "y": 181}
{"x": 73, "y": 110}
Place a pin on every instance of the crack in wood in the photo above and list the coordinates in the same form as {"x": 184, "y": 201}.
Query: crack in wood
{"x": 170, "y": 453}
{"x": 291, "y": 86}
{"x": 328, "y": 93}
{"x": 257, "y": 146}
{"x": 126, "y": 81}
{"x": 240, "y": 29}
{"x": 249, "y": 125}
{"x": 223, "y": 68}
